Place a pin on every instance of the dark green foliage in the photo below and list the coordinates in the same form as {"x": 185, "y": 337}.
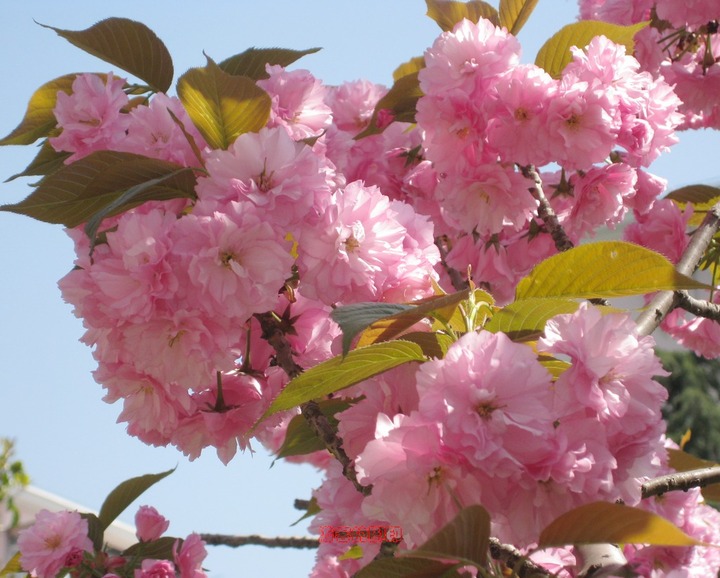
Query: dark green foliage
{"x": 694, "y": 401}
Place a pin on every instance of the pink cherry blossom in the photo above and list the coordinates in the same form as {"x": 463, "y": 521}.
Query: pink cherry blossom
{"x": 45, "y": 546}
{"x": 149, "y": 524}
{"x": 155, "y": 569}
{"x": 662, "y": 229}
{"x": 692, "y": 13}
{"x": 297, "y": 102}
{"x": 189, "y": 556}
{"x": 90, "y": 117}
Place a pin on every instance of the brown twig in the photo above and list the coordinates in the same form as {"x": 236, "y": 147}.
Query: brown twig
{"x": 699, "y": 307}
{"x": 255, "y": 540}
{"x": 516, "y": 560}
{"x": 681, "y": 481}
{"x": 458, "y": 281}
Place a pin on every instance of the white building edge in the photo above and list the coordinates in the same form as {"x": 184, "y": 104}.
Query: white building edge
{"x": 31, "y": 500}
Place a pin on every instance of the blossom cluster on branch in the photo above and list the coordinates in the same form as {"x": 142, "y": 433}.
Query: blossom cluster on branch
{"x": 245, "y": 249}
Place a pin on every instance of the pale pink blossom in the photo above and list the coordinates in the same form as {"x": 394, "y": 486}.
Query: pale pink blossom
{"x": 297, "y": 102}
{"x": 153, "y": 132}
{"x": 663, "y": 229}
{"x": 91, "y": 117}
{"x": 189, "y": 557}
{"x": 155, "y": 569}
{"x": 150, "y": 524}
{"x": 616, "y": 11}
{"x": 353, "y": 104}
{"x": 54, "y": 536}
{"x": 691, "y": 14}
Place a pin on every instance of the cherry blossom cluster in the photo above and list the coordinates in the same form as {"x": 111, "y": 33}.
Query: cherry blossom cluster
{"x": 58, "y": 543}
{"x": 179, "y": 298}
{"x": 681, "y": 45}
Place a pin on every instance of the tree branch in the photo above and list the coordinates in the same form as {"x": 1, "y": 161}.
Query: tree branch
{"x": 681, "y": 481}
{"x": 274, "y": 334}
{"x": 255, "y": 540}
{"x": 699, "y": 307}
{"x": 658, "y": 308}
{"x": 545, "y": 211}
{"x": 456, "y": 278}
{"x": 513, "y": 558}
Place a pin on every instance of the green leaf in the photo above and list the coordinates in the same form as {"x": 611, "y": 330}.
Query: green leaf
{"x": 39, "y": 120}
{"x": 405, "y": 568}
{"x": 410, "y": 67}
{"x": 223, "y": 106}
{"x": 448, "y": 13}
{"x": 95, "y": 530}
{"x": 603, "y": 269}
{"x": 126, "y": 44}
{"x": 525, "y": 319}
{"x": 313, "y": 509}
{"x": 341, "y": 372}
{"x": 465, "y": 538}
{"x": 47, "y": 161}
{"x": 603, "y": 522}
{"x": 78, "y": 191}
{"x": 125, "y": 494}
{"x": 354, "y": 553}
{"x": 12, "y": 567}
{"x": 515, "y": 13}
{"x": 432, "y": 343}
{"x": 555, "y": 54}
{"x": 300, "y": 439}
{"x": 384, "y": 321}
{"x": 251, "y": 63}
{"x": 160, "y": 549}
{"x": 701, "y": 197}
{"x": 400, "y": 102}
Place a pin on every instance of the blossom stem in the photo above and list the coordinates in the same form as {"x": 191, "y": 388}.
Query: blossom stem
{"x": 545, "y": 210}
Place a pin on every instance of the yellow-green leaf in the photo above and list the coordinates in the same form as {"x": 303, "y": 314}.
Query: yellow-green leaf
{"x": 603, "y": 522}
{"x": 555, "y": 54}
{"x": 341, "y": 372}
{"x": 78, "y": 191}
{"x": 410, "y": 67}
{"x": 39, "y": 119}
{"x": 701, "y": 197}
{"x": 125, "y": 494}
{"x": 354, "y": 553}
{"x": 525, "y": 319}
{"x": 12, "y": 567}
{"x": 432, "y": 343}
{"x": 251, "y": 63}
{"x": 556, "y": 367}
{"x": 447, "y": 13}
{"x": 129, "y": 45}
{"x": 465, "y": 538}
{"x": 223, "y": 106}
{"x": 603, "y": 269}
{"x": 399, "y": 102}
{"x": 515, "y": 13}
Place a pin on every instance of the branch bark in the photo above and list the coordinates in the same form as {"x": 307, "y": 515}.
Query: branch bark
{"x": 513, "y": 558}
{"x": 255, "y": 540}
{"x": 699, "y": 307}
{"x": 681, "y": 481}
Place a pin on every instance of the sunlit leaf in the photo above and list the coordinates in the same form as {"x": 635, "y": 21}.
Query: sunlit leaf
{"x": 47, "y": 161}
{"x": 410, "y": 67}
{"x": 555, "y": 54}
{"x": 447, "y": 13}
{"x": 525, "y": 319}
{"x": 398, "y": 105}
{"x": 702, "y": 197}
{"x": 76, "y": 192}
{"x": 359, "y": 317}
{"x": 300, "y": 439}
{"x": 354, "y": 553}
{"x": 556, "y": 367}
{"x": 223, "y": 106}
{"x": 125, "y": 494}
{"x": 603, "y": 522}
{"x": 126, "y": 44}
{"x": 515, "y": 13}
{"x": 12, "y": 567}
{"x": 312, "y": 509}
{"x": 341, "y": 372}
{"x": 39, "y": 120}
{"x": 603, "y": 269}
{"x": 251, "y": 63}
{"x": 432, "y": 343}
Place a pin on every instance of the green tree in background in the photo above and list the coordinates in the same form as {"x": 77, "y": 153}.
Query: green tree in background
{"x": 694, "y": 401}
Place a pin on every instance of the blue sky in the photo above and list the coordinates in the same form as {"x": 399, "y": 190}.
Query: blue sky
{"x": 66, "y": 436}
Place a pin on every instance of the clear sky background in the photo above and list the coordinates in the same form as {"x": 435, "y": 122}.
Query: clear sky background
{"x": 67, "y": 437}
